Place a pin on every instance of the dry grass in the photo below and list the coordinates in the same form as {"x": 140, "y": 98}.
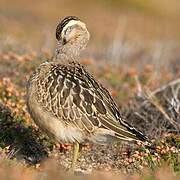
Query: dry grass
{"x": 23, "y": 143}
{"x": 129, "y": 53}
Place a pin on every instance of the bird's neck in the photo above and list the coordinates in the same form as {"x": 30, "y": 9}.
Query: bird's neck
{"x": 67, "y": 53}
{"x": 70, "y": 51}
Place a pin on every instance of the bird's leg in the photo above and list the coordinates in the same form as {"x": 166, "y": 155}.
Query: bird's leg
{"x": 75, "y": 155}
{"x": 80, "y": 149}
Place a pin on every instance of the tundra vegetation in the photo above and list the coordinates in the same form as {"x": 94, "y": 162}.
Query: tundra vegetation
{"x": 134, "y": 52}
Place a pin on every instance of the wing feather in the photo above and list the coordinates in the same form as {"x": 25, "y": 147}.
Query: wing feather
{"x": 73, "y": 95}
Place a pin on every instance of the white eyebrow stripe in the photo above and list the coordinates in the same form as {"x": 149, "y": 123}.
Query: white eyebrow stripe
{"x": 71, "y": 23}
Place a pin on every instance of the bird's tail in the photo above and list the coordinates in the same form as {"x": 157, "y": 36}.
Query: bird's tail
{"x": 124, "y": 131}
{"x": 138, "y": 135}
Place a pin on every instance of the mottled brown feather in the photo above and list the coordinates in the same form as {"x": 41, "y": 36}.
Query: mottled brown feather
{"x": 71, "y": 94}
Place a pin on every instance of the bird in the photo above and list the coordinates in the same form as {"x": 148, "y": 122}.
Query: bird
{"x": 68, "y": 103}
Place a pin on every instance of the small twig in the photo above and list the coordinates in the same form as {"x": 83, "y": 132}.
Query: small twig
{"x": 162, "y": 88}
{"x": 155, "y": 102}
{"x": 141, "y": 116}
{"x": 139, "y": 86}
{"x": 12, "y": 153}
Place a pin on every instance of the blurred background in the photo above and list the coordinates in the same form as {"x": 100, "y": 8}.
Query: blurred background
{"x": 34, "y": 22}
{"x": 134, "y": 41}
{"x": 134, "y": 51}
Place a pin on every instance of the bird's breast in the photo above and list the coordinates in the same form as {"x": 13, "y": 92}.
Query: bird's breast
{"x": 53, "y": 126}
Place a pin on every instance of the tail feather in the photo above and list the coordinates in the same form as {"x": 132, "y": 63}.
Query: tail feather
{"x": 124, "y": 131}
{"x": 139, "y": 135}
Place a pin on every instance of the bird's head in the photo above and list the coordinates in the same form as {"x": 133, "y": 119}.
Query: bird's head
{"x": 72, "y": 34}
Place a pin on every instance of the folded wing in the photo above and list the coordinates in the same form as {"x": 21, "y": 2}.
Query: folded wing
{"x": 73, "y": 95}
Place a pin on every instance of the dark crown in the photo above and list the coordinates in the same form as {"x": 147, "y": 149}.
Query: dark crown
{"x": 62, "y": 24}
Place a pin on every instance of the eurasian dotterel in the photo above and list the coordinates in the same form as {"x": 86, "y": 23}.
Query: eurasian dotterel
{"x": 66, "y": 101}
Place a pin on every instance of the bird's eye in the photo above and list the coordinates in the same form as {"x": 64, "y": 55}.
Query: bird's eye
{"x": 64, "y": 41}
{"x": 68, "y": 30}
{"x": 65, "y": 32}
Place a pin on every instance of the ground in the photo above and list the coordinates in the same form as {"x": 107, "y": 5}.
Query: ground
{"x": 141, "y": 69}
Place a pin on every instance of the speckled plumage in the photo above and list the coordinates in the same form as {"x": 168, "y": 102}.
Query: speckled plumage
{"x": 62, "y": 24}
{"x": 68, "y": 103}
